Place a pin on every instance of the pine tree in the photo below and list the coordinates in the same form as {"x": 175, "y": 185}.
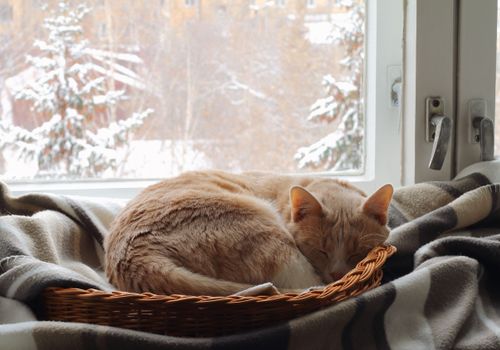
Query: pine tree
{"x": 343, "y": 102}
{"x": 70, "y": 91}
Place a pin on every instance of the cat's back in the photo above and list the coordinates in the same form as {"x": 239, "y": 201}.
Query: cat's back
{"x": 212, "y": 181}
{"x": 191, "y": 193}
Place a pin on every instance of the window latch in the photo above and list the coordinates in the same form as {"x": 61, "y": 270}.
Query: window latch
{"x": 481, "y": 129}
{"x": 438, "y": 131}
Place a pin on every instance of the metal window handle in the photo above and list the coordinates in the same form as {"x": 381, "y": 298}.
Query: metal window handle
{"x": 484, "y": 133}
{"x": 442, "y": 133}
{"x": 438, "y": 131}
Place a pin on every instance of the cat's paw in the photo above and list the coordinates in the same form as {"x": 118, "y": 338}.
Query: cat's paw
{"x": 261, "y": 289}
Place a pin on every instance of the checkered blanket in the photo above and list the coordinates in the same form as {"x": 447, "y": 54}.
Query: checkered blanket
{"x": 440, "y": 289}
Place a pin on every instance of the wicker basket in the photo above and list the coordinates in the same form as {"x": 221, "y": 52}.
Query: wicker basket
{"x": 204, "y": 316}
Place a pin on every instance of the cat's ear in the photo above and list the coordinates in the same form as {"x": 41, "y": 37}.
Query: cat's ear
{"x": 303, "y": 204}
{"x": 377, "y": 204}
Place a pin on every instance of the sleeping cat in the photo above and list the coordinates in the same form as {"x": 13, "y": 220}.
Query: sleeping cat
{"x": 216, "y": 233}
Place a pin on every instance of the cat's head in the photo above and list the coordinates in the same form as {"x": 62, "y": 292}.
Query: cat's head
{"x": 335, "y": 225}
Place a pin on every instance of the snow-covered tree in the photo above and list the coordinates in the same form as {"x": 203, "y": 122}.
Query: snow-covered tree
{"x": 342, "y": 104}
{"x": 70, "y": 91}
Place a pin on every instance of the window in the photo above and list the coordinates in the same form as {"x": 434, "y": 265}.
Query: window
{"x": 455, "y": 60}
{"x": 190, "y": 2}
{"x": 427, "y": 72}
{"x": 311, "y": 3}
{"x": 280, "y": 3}
{"x": 282, "y": 92}
{"x": 475, "y": 77}
{"x": 102, "y": 30}
{"x": 5, "y": 13}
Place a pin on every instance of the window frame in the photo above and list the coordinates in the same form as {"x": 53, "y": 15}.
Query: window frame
{"x": 429, "y": 70}
{"x": 384, "y": 54}
{"x": 280, "y": 3}
{"x": 476, "y": 73}
{"x": 311, "y": 4}
{"x": 446, "y": 54}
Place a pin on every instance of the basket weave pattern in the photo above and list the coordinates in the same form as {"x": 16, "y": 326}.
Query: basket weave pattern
{"x": 203, "y": 316}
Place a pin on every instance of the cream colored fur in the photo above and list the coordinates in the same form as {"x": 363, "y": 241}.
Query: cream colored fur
{"x": 217, "y": 233}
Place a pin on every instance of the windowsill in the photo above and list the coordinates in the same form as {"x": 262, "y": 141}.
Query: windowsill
{"x": 89, "y": 188}
{"x": 127, "y": 189}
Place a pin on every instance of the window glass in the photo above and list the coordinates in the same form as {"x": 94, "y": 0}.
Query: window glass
{"x": 130, "y": 89}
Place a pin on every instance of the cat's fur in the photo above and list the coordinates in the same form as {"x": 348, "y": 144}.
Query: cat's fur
{"x": 216, "y": 233}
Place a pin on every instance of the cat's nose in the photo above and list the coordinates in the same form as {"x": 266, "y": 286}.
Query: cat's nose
{"x": 336, "y": 275}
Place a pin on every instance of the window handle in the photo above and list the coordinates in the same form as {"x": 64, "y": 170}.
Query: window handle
{"x": 483, "y": 127}
{"x": 442, "y": 133}
{"x": 438, "y": 131}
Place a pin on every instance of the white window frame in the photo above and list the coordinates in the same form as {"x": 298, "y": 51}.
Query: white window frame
{"x": 384, "y": 56}
{"x": 384, "y": 28}
{"x": 476, "y": 71}
{"x": 429, "y": 70}
{"x": 450, "y": 51}
{"x": 280, "y": 3}
{"x": 312, "y": 3}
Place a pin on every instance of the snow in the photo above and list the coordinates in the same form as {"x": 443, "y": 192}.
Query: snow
{"x": 111, "y": 97}
{"x": 107, "y": 149}
{"x": 131, "y": 58}
{"x": 164, "y": 158}
{"x": 322, "y": 106}
{"x": 117, "y": 76}
{"x": 322, "y": 31}
{"x": 58, "y": 84}
{"x": 319, "y": 32}
{"x": 21, "y": 80}
{"x": 345, "y": 87}
{"x": 318, "y": 151}
{"x": 236, "y": 85}
{"x": 118, "y": 67}
{"x": 6, "y": 106}
{"x": 327, "y": 108}
{"x": 341, "y": 149}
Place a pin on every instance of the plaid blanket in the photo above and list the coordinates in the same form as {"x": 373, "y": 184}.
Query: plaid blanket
{"x": 440, "y": 289}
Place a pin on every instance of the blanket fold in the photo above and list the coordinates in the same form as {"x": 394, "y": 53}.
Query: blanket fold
{"x": 440, "y": 289}
{"x": 48, "y": 240}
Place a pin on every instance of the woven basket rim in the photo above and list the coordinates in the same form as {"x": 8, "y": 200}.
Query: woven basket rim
{"x": 361, "y": 273}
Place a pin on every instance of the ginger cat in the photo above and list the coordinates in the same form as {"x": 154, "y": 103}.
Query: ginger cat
{"x": 216, "y": 233}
